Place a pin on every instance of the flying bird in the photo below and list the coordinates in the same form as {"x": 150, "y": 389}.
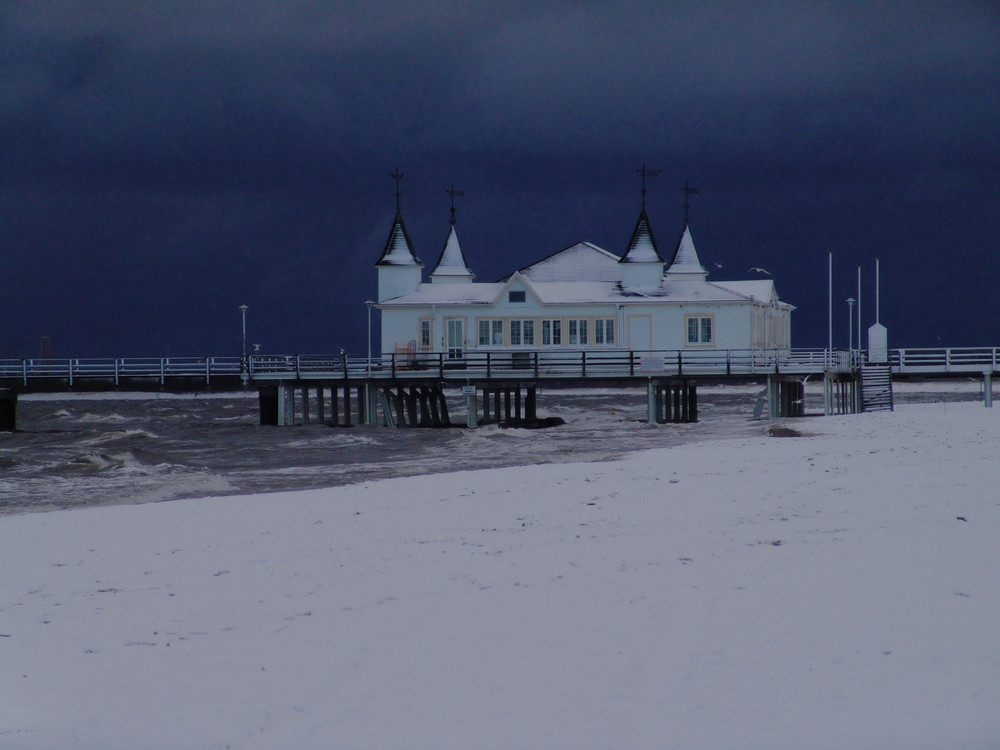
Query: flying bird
{"x": 718, "y": 265}
{"x": 758, "y": 269}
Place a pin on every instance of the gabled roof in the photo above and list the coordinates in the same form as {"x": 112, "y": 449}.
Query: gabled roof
{"x": 685, "y": 260}
{"x": 398, "y": 248}
{"x": 517, "y": 276}
{"x": 642, "y": 246}
{"x": 580, "y": 262}
{"x": 452, "y": 260}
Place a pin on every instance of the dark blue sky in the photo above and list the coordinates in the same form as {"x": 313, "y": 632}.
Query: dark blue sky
{"x": 163, "y": 162}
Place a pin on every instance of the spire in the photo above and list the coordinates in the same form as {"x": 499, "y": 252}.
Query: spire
{"x": 685, "y": 263}
{"x": 451, "y": 266}
{"x": 642, "y": 246}
{"x": 398, "y": 248}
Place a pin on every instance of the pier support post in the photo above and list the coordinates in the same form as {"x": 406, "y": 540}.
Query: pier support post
{"x": 988, "y": 389}
{"x": 8, "y": 410}
{"x": 652, "y": 403}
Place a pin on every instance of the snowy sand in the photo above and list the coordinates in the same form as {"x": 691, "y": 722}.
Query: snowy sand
{"x": 836, "y": 590}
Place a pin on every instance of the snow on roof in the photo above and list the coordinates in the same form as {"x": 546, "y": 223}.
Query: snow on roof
{"x": 452, "y": 260}
{"x": 642, "y": 246}
{"x": 470, "y": 293}
{"x": 685, "y": 260}
{"x": 580, "y": 262}
{"x": 398, "y": 248}
{"x": 588, "y": 292}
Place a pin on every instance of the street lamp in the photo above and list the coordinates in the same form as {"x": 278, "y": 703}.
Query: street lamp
{"x": 369, "y": 411}
{"x": 368, "y": 304}
{"x": 243, "y": 309}
{"x": 850, "y": 324}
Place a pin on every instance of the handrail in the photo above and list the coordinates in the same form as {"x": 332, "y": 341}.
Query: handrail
{"x": 491, "y": 364}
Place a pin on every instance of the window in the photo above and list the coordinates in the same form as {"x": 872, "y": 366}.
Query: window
{"x": 425, "y": 334}
{"x": 699, "y": 329}
{"x": 491, "y": 333}
{"x": 578, "y": 333}
{"x": 516, "y": 296}
{"x": 522, "y": 333}
{"x": 551, "y": 333}
{"x": 604, "y": 331}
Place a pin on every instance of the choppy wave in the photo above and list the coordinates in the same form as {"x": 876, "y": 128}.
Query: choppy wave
{"x": 152, "y": 448}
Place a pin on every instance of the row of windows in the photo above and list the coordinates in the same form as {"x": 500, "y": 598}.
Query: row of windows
{"x": 578, "y": 332}
{"x": 524, "y": 332}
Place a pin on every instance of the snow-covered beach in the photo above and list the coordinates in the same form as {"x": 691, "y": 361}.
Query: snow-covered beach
{"x": 834, "y": 589}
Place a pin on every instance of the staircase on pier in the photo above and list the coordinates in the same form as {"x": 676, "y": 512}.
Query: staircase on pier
{"x": 876, "y": 387}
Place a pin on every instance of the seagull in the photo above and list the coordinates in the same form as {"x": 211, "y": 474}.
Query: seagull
{"x": 758, "y": 269}
{"x": 718, "y": 265}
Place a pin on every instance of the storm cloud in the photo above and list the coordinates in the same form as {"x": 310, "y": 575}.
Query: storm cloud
{"x": 164, "y": 162}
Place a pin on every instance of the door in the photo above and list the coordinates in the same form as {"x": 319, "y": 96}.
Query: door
{"x": 639, "y": 334}
{"x": 456, "y": 338}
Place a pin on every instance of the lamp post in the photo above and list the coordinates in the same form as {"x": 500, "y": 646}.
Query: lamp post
{"x": 850, "y": 326}
{"x": 243, "y": 366}
{"x": 369, "y": 411}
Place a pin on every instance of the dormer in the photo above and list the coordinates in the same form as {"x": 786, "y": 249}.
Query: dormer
{"x": 642, "y": 264}
{"x": 685, "y": 263}
{"x": 399, "y": 269}
{"x": 451, "y": 267}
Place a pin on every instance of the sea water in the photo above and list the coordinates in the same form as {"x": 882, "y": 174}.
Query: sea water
{"x": 73, "y": 450}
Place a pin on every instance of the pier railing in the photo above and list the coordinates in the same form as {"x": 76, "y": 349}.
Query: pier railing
{"x": 479, "y": 364}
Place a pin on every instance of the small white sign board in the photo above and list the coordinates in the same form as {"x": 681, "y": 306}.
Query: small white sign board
{"x": 650, "y": 363}
{"x": 468, "y": 390}
{"x": 878, "y": 343}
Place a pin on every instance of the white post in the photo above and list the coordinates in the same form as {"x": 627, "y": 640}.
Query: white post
{"x": 861, "y": 344}
{"x": 369, "y": 410}
{"x": 829, "y": 343}
{"x": 877, "y": 319}
{"x": 850, "y": 330}
{"x": 245, "y": 365}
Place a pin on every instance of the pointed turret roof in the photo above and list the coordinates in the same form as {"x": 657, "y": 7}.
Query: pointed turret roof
{"x": 642, "y": 246}
{"x": 398, "y": 248}
{"x": 685, "y": 260}
{"x": 452, "y": 261}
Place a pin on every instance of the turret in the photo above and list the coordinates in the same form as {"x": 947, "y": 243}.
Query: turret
{"x": 399, "y": 269}
{"x": 685, "y": 264}
{"x": 642, "y": 264}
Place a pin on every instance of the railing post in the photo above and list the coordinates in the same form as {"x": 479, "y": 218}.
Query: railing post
{"x": 680, "y": 362}
{"x": 729, "y": 369}
{"x": 536, "y": 363}
{"x": 116, "y": 371}
{"x": 394, "y": 365}
{"x": 24, "y": 372}
{"x": 631, "y": 363}
{"x": 208, "y": 370}
{"x": 583, "y": 364}
{"x": 488, "y": 365}
{"x": 163, "y": 369}
{"x": 71, "y": 373}
{"x": 441, "y": 365}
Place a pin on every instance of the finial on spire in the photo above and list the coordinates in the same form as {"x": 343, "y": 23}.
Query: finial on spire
{"x": 454, "y": 194}
{"x": 688, "y": 191}
{"x": 397, "y": 176}
{"x": 646, "y": 173}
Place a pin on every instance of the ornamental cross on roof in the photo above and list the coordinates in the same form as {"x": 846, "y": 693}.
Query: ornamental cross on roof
{"x": 688, "y": 191}
{"x": 454, "y": 194}
{"x": 646, "y": 173}
{"x": 397, "y": 176}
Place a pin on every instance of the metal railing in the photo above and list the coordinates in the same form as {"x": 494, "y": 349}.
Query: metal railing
{"x": 479, "y": 364}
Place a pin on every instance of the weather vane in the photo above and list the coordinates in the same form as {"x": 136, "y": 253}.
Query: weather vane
{"x": 688, "y": 191}
{"x": 646, "y": 173}
{"x": 397, "y": 176}
{"x": 454, "y": 194}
